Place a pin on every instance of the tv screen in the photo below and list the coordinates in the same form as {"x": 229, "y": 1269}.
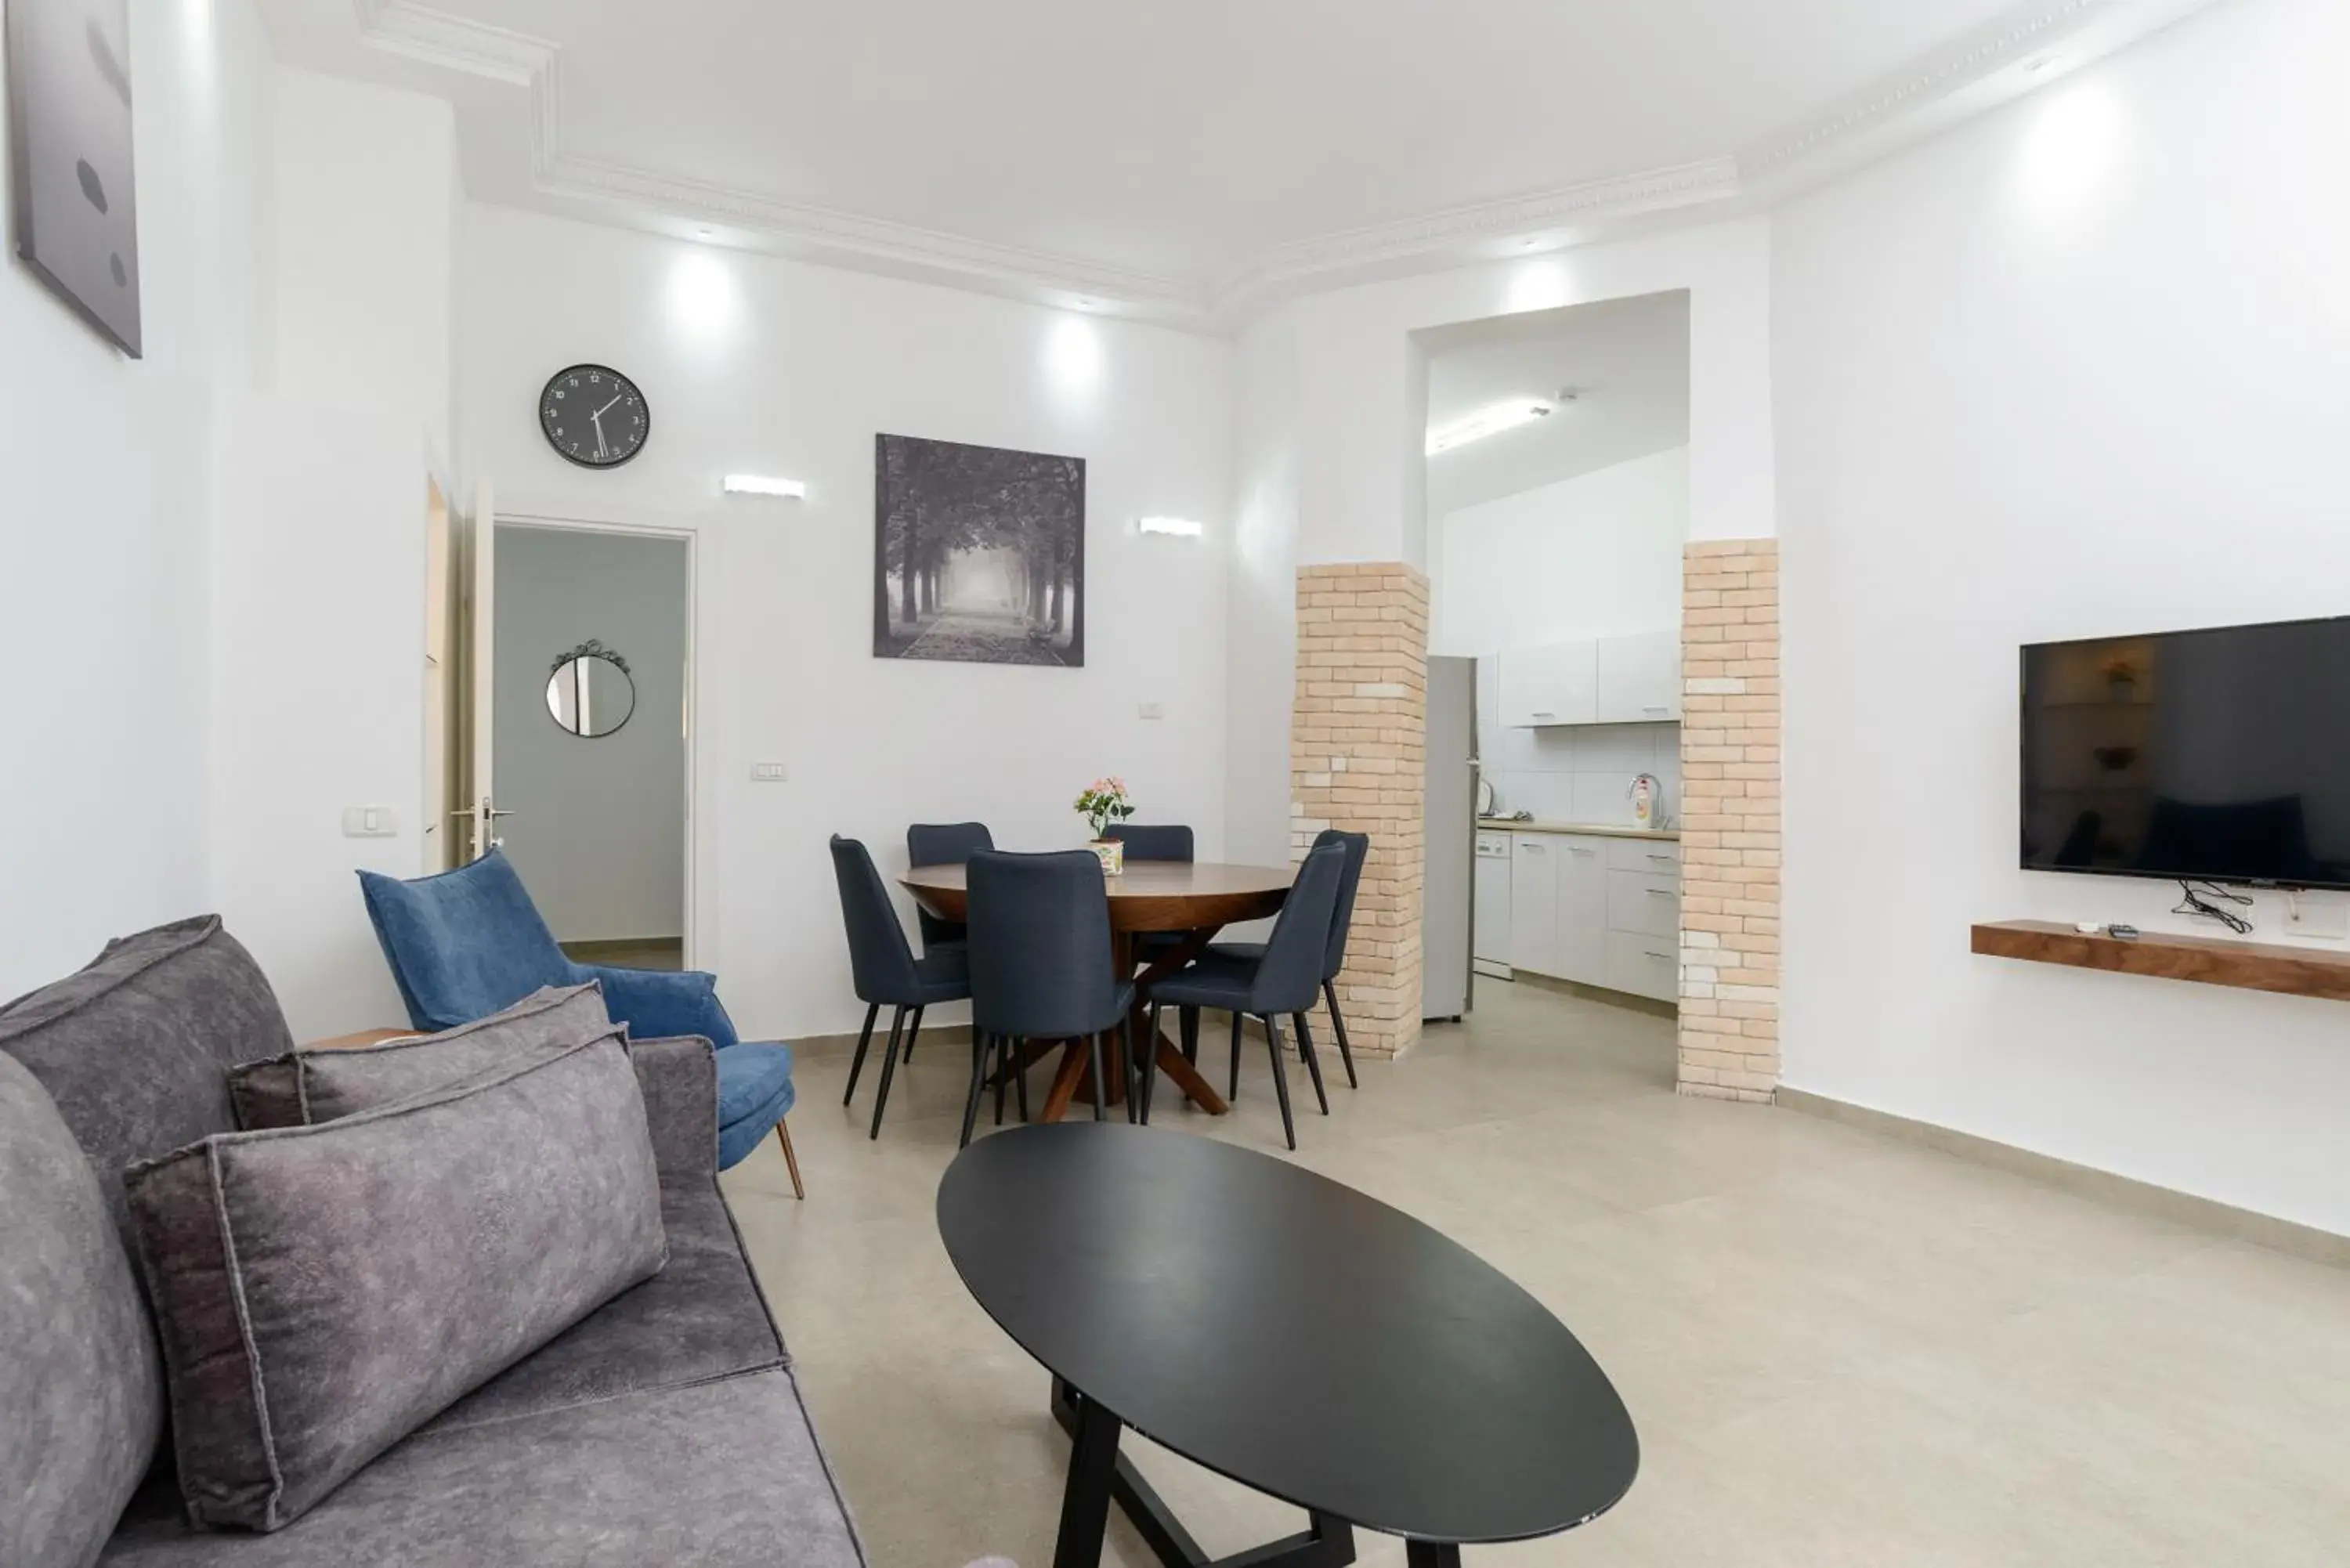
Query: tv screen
{"x": 2219, "y": 755}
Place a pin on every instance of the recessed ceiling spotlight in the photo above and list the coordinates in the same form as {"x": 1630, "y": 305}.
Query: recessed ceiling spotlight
{"x": 1490, "y": 420}
{"x": 1528, "y": 245}
{"x": 702, "y": 234}
{"x": 2045, "y": 64}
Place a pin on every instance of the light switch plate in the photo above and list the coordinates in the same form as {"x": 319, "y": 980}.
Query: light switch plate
{"x": 370, "y": 822}
{"x": 769, "y": 773}
{"x": 2318, "y": 915}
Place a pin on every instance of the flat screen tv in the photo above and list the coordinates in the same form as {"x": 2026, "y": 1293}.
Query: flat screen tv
{"x": 2219, "y": 755}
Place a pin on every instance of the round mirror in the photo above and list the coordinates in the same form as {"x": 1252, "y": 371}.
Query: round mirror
{"x": 590, "y": 692}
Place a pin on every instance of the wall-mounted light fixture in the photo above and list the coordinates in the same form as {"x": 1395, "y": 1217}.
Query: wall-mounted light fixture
{"x": 1182, "y": 527}
{"x": 1490, "y": 420}
{"x": 760, "y": 484}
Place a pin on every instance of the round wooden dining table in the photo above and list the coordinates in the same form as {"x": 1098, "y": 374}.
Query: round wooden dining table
{"x": 1192, "y": 897}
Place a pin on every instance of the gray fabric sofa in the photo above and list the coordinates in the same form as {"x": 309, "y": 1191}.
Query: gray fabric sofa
{"x": 665, "y": 1428}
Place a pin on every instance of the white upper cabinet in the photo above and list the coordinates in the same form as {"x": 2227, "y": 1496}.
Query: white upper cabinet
{"x": 1633, "y": 679}
{"x": 1557, "y": 683}
{"x": 1639, "y": 678}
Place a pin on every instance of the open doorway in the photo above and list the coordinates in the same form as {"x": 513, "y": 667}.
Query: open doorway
{"x": 1559, "y": 510}
{"x": 593, "y": 635}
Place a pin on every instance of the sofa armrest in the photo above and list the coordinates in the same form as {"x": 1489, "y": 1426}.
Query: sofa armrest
{"x": 656, "y": 1004}
{"x": 678, "y": 1079}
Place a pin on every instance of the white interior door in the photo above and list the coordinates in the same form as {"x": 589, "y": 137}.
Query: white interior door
{"x": 478, "y": 690}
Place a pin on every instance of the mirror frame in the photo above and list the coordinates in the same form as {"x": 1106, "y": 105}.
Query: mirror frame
{"x": 593, "y": 648}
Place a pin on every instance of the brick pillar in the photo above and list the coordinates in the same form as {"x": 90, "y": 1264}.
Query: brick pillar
{"x": 1730, "y": 819}
{"x": 1358, "y": 761}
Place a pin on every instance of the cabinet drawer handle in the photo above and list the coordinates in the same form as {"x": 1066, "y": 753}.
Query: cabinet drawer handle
{"x": 1657, "y": 708}
{"x": 1666, "y": 859}
{"x": 1662, "y": 893}
{"x": 1579, "y": 849}
{"x": 1668, "y": 957}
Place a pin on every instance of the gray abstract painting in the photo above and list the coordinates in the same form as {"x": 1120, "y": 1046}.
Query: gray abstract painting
{"x": 74, "y": 209}
{"x": 978, "y": 554}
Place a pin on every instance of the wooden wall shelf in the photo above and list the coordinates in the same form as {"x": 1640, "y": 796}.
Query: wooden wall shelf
{"x": 2213, "y": 960}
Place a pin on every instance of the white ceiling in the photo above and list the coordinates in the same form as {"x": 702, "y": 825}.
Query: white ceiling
{"x": 1183, "y": 162}
{"x": 1628, "y": 360}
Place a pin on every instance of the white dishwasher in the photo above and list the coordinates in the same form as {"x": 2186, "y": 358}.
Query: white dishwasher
{"x": 1492, "y": 919}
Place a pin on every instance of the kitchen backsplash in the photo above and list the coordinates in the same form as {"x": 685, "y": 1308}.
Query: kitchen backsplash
{"x": 1579, "y": 772}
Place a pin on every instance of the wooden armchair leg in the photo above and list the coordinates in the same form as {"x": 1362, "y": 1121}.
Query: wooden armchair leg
{"x": 784, "y": 1136}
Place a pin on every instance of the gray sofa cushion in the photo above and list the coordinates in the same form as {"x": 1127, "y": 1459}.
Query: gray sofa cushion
{"x": 720, "y": 1475}
{"x": 303, "y": 1088}
{"x": 135, "y": 1049}
{"x": 81, "y": 1394}
{"x": 323, "y": 1291}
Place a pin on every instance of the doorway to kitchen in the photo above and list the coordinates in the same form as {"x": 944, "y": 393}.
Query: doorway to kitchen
{"x": 592, "y": 713}
{"x": 1557, "y": 512}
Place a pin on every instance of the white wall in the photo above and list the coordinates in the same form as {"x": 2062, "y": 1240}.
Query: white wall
{"x": 598, "y": 829}
{"x": 368, "y": 204}
{"x": 756, "y": 365}
{"x": 2075, "y": 370}
{"x": 104, "y": 526}
{"x": 318, "y": 696}
{"x": 1595, "y": 555}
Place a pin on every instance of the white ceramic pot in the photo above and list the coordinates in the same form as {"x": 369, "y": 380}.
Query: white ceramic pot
{"x": 1112, "y": 854}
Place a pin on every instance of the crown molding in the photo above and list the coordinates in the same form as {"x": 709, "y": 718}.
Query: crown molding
{"x": 1462, "y": 234}
{"x": 1976, "y": 72}
{"x": 454, "y": 42}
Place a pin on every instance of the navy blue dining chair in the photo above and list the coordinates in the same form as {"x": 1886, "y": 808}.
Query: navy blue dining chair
{"x": 1154, "y": 841}
{"x": 943, "y": 843}
{"x": 885, "y": 971}
{"x": 1284, "y": 980}
{"x": 1040, "y": 968}
{"x": 1334, "y": 959}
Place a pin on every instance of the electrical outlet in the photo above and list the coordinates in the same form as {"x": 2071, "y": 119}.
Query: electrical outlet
{"x": 769, "y": 773}
{"x": 2324, "y": 915}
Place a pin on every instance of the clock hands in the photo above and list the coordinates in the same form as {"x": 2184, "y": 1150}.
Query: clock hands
{"x": 598, "y": 419}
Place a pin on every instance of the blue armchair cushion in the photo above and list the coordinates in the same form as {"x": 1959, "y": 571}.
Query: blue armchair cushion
{"x": 755, "y": 1092}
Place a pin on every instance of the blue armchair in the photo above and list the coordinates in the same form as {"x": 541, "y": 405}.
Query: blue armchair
{"x": 467, "y": 942}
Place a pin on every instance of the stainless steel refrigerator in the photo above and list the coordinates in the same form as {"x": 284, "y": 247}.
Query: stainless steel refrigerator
{"x": 1447, "y": 901}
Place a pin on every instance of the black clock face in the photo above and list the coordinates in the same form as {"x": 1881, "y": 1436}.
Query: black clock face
{"x": 593, "y": 416}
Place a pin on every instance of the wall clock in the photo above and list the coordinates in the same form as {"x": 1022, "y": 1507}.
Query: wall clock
{"x": 593, "y": 416}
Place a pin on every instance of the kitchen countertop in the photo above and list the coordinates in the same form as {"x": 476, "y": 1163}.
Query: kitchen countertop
{"x": 1597, "y": 830}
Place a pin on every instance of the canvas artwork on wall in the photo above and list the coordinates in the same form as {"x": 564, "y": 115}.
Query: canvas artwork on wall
{"x": 978, "y": 554}
{"x": 74, "y": 209}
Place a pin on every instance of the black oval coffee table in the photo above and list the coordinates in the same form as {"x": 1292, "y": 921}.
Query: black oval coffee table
{"x": 1283, "y": 1331}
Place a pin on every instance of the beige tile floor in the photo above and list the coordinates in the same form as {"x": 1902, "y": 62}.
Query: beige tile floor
{"x": 1839, "y": 1349}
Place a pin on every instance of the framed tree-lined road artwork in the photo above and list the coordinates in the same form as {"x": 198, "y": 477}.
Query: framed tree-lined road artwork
{"x": 978, "y": 554}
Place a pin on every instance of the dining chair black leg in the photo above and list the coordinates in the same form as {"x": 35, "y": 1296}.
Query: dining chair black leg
{"x": 1338, "y": 1027}
{"x": 1101, "y": 1095}
{"x": 1013, "y": 1065}
{"x": 889, "y": 1066}
{"x": 1280, "y": 1080}
{"x": 912, "y": 1029}
{"x": 857, "y": 1063}
{"x": 1000, "y": 1084}
{"x": 1126, "y": 1059}
{"x": 1188, "y": 1021}
{"x": 1233, "y": 1091}
{"x": 970, "y": 1100}
{"x": 1313, "y": 1067}
{"x": 1149, "y": 1064}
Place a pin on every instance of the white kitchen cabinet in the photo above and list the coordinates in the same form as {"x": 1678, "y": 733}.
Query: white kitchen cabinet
{"x": 1634, "y": 680}
{"x": 1643, "y": 965}
{"x": 1557, "y": 683}
{"x": 1638, "y": 679}
{"x": 1578, "y": 950}
{"x": 1533, "y": 901}
{"x": 1640, "y": 904}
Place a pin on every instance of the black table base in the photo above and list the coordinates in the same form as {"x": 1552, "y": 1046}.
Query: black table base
{"x": 1098, "y": 1473}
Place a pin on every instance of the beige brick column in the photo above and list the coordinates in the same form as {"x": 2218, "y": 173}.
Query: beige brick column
{"x": 1358, "y": 761}
{"x": 1730, "y": 819}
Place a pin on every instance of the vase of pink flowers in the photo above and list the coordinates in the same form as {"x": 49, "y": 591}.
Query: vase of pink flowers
{"x": 1103, "y": 803}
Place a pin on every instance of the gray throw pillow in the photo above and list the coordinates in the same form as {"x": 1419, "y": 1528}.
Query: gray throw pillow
{"x": 81, "y": 1400}
{"x": 303, "y": 1088}
{"x": 323, "y": 1291}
